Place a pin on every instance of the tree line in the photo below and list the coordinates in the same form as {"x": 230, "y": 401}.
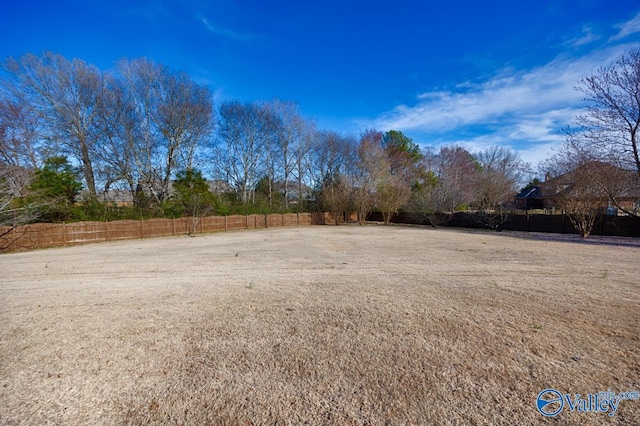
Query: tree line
{"x": 71, "y": 135}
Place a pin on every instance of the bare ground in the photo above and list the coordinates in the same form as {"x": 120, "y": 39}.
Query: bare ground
{"x": 318, "y": 325}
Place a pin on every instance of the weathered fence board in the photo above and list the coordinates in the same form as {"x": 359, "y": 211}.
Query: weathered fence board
{"x": 39, "y": 235}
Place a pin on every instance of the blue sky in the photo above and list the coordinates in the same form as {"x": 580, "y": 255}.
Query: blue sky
{"x": 474, "y": 73}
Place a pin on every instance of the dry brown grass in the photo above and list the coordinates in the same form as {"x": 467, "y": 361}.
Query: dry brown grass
{"x": 317, "y": 325}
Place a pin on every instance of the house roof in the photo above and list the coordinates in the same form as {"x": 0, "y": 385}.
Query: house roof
{"x": 532, "y": 192}
{"x": 624, "y": 183}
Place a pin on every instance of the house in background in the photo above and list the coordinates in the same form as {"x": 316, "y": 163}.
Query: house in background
{"x": 119, "y": 197}
{"x": 603, "y": 185}
{"x": 529, "y": 198}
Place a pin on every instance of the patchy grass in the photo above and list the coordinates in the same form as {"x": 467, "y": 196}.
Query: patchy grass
{"x": 342, "y": 325}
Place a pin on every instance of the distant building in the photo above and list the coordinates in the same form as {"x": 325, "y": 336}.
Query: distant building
{"x": 119, "y": 197}
{"x": 220, "y": 186}
{"x": 603, "y": 179}
{"x": 529, "y": 198}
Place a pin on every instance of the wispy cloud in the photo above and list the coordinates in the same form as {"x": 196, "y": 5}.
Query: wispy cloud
{"x": 225, "y": 32}
{"x": 632, "y": 26}
{"x": 508, "y": 94}
{"x": 522, "y": 109}
{"x": 588, "y": 36}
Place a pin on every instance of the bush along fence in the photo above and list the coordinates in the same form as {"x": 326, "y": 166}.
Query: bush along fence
{"x": 619, "y": 226}
{"x": 39, "y": 235}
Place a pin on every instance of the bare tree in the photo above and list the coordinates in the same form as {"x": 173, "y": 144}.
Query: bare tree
{"x": 291, "y": 143}
{"x": 399, "y": 172}
{"x": 302, "y": 161}
{"x": 620, "y": 184}
{"x": 19, "y": 135}
{"x": 20, "y": 155}
{"x": 14, "y": 181}
{"x": 330, "y": 155}
{"x": 162, "y": 118}
{"x": 368, "y": 173}
{"x": 335, "y": 196}
{"x": 609, "y": 129}
{"x": 66, "y": 95}
{"x": 333, "y": 160}
{"x": 453, "y": 172}
{"x": 245, "y": 130}
{"x": 572, "y": 185}
{"x": 120, "y": 136}
{"x": 500, "y": 172}
{"x": 393, "y": 193}
{"x": 184, "y": 119}
{"x": 13, "y": 215}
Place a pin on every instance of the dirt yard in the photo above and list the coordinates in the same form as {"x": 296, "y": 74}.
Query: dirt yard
{"x": 319, "y": 325}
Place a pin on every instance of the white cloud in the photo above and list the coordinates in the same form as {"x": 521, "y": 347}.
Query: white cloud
{"x": 507, "y": 95}
{"x": 587, "y": 37}
{"x": 225, "y": 32}
{"x": 632, "y": 26}
{"x": 524, "y": 109}
{"x": 533, "y": 139}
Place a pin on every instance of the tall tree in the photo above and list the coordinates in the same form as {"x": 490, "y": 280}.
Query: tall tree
{"x": 571, "y": 179}
{"x": 66, "y": 94}
{"x": 609, "y": 129}
{"x": 20, "y": 156}
{"x": 335, "y": 196}
{"x": 332, "y": 162}
{"x": 14, "y": 209}
{"x": 245, "y": 132}
{"x": 403, "y": 154}
{"x": 163, "y": 117}
{"x": 301, "y": 159}
{"x": 401, "y": 173}
{"x": 454, "y": 172}
{"x": 184, "y": 118}
{"x": 291, "y": 144}
{"x": 19, "y": 135}
{"x": 500, "y": 172}
{"x": 371, "y": 162}
{"x": 331, "y": 155}
{"x": 121, "y": 136}
{"x": 393, "y": 192}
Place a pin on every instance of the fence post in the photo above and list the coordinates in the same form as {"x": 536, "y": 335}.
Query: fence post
{"x": 297, "y": 218}
{"x": 246, "y": 221}
{"x": 266, "y": 220}
{"x": 225, "y": 222}
{"x": 141, "y": 228}
{"x": 64, "y": 233}
{"x": 282, "y": 220}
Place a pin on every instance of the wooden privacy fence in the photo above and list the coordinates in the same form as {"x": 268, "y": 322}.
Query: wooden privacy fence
{"x": 62, "y": 234}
